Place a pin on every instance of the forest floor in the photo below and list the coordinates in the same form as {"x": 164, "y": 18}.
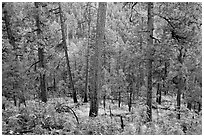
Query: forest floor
{"x": 60, "y": 116}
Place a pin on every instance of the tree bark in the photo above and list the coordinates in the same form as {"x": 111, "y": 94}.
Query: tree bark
{"x": 87, "y": 55}
{"x": 96, "y": 83}
{"x": 150, "y": 44}
{"x": 43, "y": 94}
{"x": 66, "y": 55}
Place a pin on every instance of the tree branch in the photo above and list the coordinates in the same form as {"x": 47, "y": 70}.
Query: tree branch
{"x": 32, "y": 65}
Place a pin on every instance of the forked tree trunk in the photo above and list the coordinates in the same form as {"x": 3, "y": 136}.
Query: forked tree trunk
{"x": 96, "y": 83}
{"x": 149, "y": 76}
{"x": 66, "y": 55}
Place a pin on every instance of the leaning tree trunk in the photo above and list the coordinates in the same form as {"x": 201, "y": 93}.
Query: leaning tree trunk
{"x": 96, "y": 83}
{"x": 43, "y": 94}
{"x": 66, "y": 55}
{"x": 150, "y": 44}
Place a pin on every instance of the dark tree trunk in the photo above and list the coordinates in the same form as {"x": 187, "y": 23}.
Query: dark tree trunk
{"x": 54, "y": 83}
{"x": 189, "y": 105}
{"x": 199, "y": 106}
{"x": 178, "y": 102}
{"x": 15, "y": 100}
{"x": 104, "y": 101}
{"x": 96, "y": 84}
{"x": 43, "y": 88}
{"x": 149, "y": 76}
{"x": 158, "y": 99}
{"x": 43, "y": 94}
{"x": 3, "y": 106}
{"x": 74, "y": 95}
{"x": 122, "y": 124}
{"x": 130, "y": 101}
{"x": 165, "y": 93}
{"x": 119, "y": 99}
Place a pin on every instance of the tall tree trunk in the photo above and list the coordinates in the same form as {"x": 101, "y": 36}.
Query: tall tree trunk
{"x": 7, "y": 18}
{"x": 43, "y": 94}
{"x": 118, "y": 74}
{"x": 66, "y": 55}
{"x": 96, "y": 83}
{"x": 87, "y": 54}
{"x": 150, "y": 44}
{"x": 180, "y": 84}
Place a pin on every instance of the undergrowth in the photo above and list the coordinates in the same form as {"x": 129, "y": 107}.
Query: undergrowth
{"x": 43, "y": 119}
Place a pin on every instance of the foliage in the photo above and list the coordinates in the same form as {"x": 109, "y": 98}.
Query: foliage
{"x": 177, "y": 49}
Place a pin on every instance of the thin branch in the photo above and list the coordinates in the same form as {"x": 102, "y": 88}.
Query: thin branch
{"x": 74, "y": 114}
{"x": 32, "y": 65}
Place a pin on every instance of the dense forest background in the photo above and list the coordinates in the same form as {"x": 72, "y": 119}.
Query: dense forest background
{"x": 101, "y": 68}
